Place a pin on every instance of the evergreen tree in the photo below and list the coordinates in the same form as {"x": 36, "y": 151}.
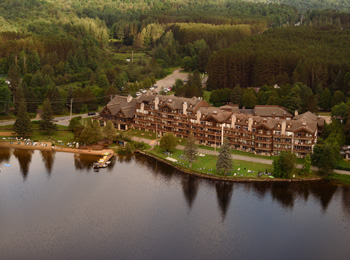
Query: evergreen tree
{"x": 56, "y": 99}
{"x": 5, "y": 98}
{"x": 249, "y": 99}
{"x": 325, "y": 99}
{"x": 46, "y": 122}
{"x": 236, "y": 95}
{"x": 14, "y": 78}
{"x": 19, "y": 99}
{"x": 109, "y": 131}
{"x": 22, "y": 125}
{"x": 32, "y": 100}
{"x": 224, "y": 161}
{"x": 190, "y": 151}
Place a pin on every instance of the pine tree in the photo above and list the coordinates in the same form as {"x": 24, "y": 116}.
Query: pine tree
{"x": 224, "y": 162}
{"x": 19, "y": 99}
{"x": 14, "y": 77}
{"x": 22, "y": 125}
{"x": 46, "y": 122}
{"x": 190, "y": 151}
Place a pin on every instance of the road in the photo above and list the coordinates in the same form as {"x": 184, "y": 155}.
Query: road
{"x": 169, "y": 80}
{"x": 62, "y": 120}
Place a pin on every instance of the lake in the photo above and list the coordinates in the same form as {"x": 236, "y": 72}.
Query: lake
{"x": 55, "y": 206}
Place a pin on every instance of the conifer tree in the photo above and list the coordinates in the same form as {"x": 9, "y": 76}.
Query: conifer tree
{"x": 19, "y": 98}
{"x": 46, "y": 122}
{"x": 224, "y": 162}
{"x": 22, "y": 125}
{"x": 190, "y": 151}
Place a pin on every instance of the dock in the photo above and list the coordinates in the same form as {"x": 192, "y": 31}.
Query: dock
{"x": 104, "y": 161}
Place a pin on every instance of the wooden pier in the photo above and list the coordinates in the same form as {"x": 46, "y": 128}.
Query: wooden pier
{"x": 104, "y": 161}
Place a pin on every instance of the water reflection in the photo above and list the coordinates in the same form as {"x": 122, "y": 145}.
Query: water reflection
{"x": 48, "y": 159}
{"x": 224, "y": 191}
{"x": 84, "y": 161}
{"x": 346, "y": 199}
{"x": 24, "y": 159}
{"x": 5, "y": 154}
{"x": 190, "y": 188}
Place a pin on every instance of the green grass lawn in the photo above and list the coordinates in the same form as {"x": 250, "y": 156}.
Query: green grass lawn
{"x": 142, "y": 134}
{"x": 206, "y": 96}
{"x": 204, "y": 164}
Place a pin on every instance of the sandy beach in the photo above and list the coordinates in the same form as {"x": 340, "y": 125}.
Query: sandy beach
{"x": 47, "y": 146}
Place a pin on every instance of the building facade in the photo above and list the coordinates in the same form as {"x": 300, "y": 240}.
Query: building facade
{"x": 265, "y": 130}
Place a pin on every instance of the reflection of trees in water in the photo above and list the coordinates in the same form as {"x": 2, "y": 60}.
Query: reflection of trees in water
{"x": 5, "y": 154}
{"x": 286, "y": 193}
{"x": 125, "y": 158}
{"x": 190, "y": 188}
{"x": 48, "y": 158}
{"x": 24, "y": 158}
{"x": 84, "y": 161}
{"x": 324, "y": 192}
{"x": 157, "y": 168}
{"x": 346, "y": 199}
{"x": 224, "y": 190}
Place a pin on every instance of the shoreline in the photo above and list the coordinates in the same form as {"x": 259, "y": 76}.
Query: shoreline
{"x": 217, "y": 178}
{"x": 49, "y": 147}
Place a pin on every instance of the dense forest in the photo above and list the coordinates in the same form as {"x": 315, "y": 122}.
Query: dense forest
{"x": 81, "y": 49}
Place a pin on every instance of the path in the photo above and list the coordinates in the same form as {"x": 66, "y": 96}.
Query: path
{"x": 234, "y": 156}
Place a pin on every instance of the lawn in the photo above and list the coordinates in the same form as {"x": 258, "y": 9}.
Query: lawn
{"x": 207, "y": 164}
{"x": 142, "y": 134}
{"x": 206, "y": 96}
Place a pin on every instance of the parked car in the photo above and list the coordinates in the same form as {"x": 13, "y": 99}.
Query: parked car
{"x": 143, "y": 91}
{"x": 138, "y": 94}
{"x": 91, "y": 114}
{"x": 151, "y": 88}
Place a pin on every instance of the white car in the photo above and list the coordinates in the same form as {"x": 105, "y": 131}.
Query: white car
{"x": 151, "y": 88}
{"x": 143, "y": 91}
{"x": 138, "y": 94}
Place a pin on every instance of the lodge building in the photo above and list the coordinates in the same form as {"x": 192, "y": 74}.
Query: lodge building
{"x": 265, "y": 130}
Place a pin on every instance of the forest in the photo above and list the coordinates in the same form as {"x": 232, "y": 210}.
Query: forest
{"x": 80, "y": 49}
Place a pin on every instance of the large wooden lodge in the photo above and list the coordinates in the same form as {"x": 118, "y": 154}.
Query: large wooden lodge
{"x": 265, "y": 130}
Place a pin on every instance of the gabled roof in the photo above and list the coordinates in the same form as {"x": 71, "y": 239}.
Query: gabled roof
{"x": 214, "y": 113}
{"x": 310, "y": 117}
{"x": 120, "y": 103}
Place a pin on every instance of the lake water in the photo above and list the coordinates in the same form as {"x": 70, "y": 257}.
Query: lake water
{"x": 54, "y": 206}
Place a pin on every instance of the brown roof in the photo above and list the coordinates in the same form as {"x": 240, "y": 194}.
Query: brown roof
{"x": 310, "y": 117}
{"x": 217, "y": 114}
{"x": 119, "y": 103}
{"x": 271, "y": 111}
{"x": 175, "y": 103}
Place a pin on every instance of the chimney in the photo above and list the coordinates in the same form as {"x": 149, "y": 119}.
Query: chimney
{"x": 142, "y": 107}
{"x": 199, "y": 117}
{"x": 184, "y": 108}
{"x": 304, "y": 124}
{"x": 215, "y": 112}
{"x": 250, "y": 124}
{"x": 156, "y": 103}
{"x": 283, "y": 128}
{"x": 233, "y": 121}
{"x": 296, "y": 112}
{"x": 129, "y": 98}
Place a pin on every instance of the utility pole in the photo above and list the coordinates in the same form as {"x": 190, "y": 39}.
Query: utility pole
{"x": 71, "y": 106}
